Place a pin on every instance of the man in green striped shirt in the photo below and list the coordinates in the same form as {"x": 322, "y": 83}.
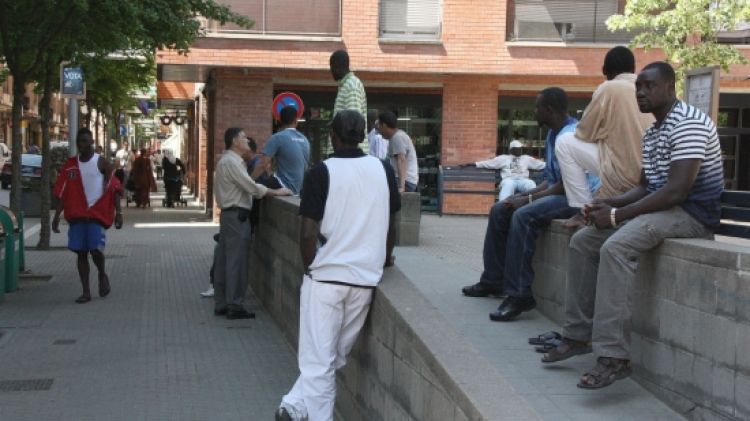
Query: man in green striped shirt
{"x": 351, "y": 93}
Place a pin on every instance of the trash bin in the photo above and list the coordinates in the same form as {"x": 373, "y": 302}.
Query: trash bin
{"x": 2, "y": 261}
{"x": 21, "y": 243}
{"x": 12, "y": 247}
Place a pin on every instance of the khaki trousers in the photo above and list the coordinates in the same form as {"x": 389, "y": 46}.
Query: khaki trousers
{"x": 601, "y": 270}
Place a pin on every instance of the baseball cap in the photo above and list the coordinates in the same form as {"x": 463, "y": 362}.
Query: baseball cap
{"x": 516, "y": 144}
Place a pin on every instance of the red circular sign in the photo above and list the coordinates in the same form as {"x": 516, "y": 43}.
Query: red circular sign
{"x": 286, "y": 99}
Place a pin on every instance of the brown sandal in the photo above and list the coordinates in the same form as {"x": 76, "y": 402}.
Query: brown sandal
{"x": 607, "y": 371}
{"x": 566, "y": 349}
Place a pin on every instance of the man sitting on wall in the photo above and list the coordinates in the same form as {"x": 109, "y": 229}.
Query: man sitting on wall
{"x": 678, "y": 197}
{"x": 290, "y": 150}
{"x": 607, "y": 141}
{"x": 515, "y": 222}
{"x": 514, "y": 170}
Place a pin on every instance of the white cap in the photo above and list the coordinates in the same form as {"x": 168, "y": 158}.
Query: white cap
{"x": 516, "y": 144}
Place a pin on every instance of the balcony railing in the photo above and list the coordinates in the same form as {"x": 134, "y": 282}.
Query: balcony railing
{"x": 284, "y": 17}
{"x": 572, "y": 21}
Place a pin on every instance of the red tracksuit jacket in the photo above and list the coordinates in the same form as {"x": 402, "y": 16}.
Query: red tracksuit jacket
{"x": 69, "y": 189}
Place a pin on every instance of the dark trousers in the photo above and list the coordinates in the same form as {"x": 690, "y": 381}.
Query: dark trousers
{"x": 510, "y": 242}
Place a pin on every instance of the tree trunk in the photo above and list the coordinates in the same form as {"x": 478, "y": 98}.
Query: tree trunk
{"x": 46, "y": 182}
{"x": 96, "y": 127}
{"x": 19, "y": 92}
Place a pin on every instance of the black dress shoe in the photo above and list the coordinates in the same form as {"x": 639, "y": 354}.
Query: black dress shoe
{"x": 220, "y": 311}
{"x": 481, "y": 289}
{"x": 511, "y": 308}
{"x": 240, "y": 314}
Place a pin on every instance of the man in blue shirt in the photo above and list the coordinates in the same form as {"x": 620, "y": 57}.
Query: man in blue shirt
{"x": 290, "y": 151}
{"x": 514, "y": 223}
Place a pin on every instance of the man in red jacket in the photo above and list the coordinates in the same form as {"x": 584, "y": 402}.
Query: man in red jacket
{"x": 90, "y": 199}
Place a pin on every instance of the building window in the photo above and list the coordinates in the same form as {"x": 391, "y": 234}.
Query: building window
{"x": 410, "y": 20}
{"x": 565, "y": 21}
{"x": 284, "y": 17}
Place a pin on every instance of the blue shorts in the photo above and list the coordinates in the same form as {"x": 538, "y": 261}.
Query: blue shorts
{"x": 86, "y": 236}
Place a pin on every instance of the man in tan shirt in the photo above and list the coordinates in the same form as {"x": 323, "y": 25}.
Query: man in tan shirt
{"x": 234, "y": 190}
{"x": 607, "y": 141}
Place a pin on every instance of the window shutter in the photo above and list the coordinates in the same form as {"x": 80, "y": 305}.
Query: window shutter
{"x": 566, "y": 20}
{"x": 410, "y": 19}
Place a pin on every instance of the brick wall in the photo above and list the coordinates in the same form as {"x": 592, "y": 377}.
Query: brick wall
{"x": 469, "y": 134}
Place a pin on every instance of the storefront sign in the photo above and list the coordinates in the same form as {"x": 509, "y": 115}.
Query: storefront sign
{"x": 72, "y": 84}
{"x": 702, "y": 90}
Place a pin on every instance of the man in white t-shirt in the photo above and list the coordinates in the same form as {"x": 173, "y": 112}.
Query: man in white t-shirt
{"x": 125, "y": 158}
{"x": 514, "y": 170}
{"x": 347, "y": 234}
{"x": 401, "y": 152}
{"x": 378, "y": 146}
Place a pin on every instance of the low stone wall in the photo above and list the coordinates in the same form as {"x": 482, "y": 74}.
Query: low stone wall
{"x": 408, "y": 220}
{"x": 691, "y": 321}
{"x": 407, "y": 364}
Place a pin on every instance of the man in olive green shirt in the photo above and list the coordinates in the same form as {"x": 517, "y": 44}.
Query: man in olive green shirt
{"x": 351, "y": 93}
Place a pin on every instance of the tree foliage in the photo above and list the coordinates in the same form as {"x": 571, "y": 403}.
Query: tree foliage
{"x": 686, "y": 30}
{"x": 37, "y": 35}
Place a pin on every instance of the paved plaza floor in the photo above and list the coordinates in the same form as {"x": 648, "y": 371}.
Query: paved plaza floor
{"x": 152, "y": 350}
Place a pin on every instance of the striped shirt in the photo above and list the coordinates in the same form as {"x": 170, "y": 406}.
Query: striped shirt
{"x": 687, "y": 133}
{"x": 351, "y": 95}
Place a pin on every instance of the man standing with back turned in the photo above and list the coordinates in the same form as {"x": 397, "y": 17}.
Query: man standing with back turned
{"x": 347, "y": 204}
{"x": 234, "y": 190}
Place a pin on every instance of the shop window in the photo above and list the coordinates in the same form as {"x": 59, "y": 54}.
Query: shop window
{"x": 516, "y": 121}
{"x": 419, "y": 115}
{"x": 746, "y": 118}
{"x": 284, "y": 17}
{"x": 410, "y": 19}
{"x": 728, "y": 117}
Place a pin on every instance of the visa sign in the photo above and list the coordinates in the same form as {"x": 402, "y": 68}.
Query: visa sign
{"x": 72, "y": 82}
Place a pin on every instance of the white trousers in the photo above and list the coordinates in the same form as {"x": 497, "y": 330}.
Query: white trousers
{"x": 576, "y": 158}
{"x": 330, "y": 319}
{"x": 511, "y": 186}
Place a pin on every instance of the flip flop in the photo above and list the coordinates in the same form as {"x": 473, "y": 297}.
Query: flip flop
{"x": 544, "y": 337}
{"x": 565, "y": 351}
{"x": 548, "y": 346}
{"x": 83, "y": 299}
{"x": 105, "y": 289}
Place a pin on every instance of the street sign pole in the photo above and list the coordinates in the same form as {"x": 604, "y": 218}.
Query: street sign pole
{"x": 73, "y": 87}
{"x": 72, "y": 126}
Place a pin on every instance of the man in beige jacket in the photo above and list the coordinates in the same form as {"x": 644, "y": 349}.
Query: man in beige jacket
{"x": 607, "y": 141}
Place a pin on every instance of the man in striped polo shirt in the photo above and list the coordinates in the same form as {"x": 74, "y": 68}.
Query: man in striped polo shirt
{"x": 351, "y": 93}
{"x": 678, "y": 197}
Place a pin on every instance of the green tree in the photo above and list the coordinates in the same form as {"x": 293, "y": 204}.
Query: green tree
{"x": 685, "y": 30}
{"x": 37, "y": 35}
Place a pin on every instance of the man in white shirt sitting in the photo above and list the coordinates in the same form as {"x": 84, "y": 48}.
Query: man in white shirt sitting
{"x": 514, "y": 170}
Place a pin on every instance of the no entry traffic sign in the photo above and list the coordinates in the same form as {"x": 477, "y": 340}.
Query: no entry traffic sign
{"x": 286, "y": 99}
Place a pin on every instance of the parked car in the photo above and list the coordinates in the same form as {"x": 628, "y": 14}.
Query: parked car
{"x": 31, "y": 167}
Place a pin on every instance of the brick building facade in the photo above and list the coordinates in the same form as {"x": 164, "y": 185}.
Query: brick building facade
{"x": 462, "y": 75}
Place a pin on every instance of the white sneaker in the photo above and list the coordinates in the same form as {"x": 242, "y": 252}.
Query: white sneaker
{"x": 208, "y": 293}
{"x": 286, "y": 412}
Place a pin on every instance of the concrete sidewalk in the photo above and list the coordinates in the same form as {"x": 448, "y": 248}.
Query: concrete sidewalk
{"x": 450, "y": 257}
{"x": 152, "y": 350}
